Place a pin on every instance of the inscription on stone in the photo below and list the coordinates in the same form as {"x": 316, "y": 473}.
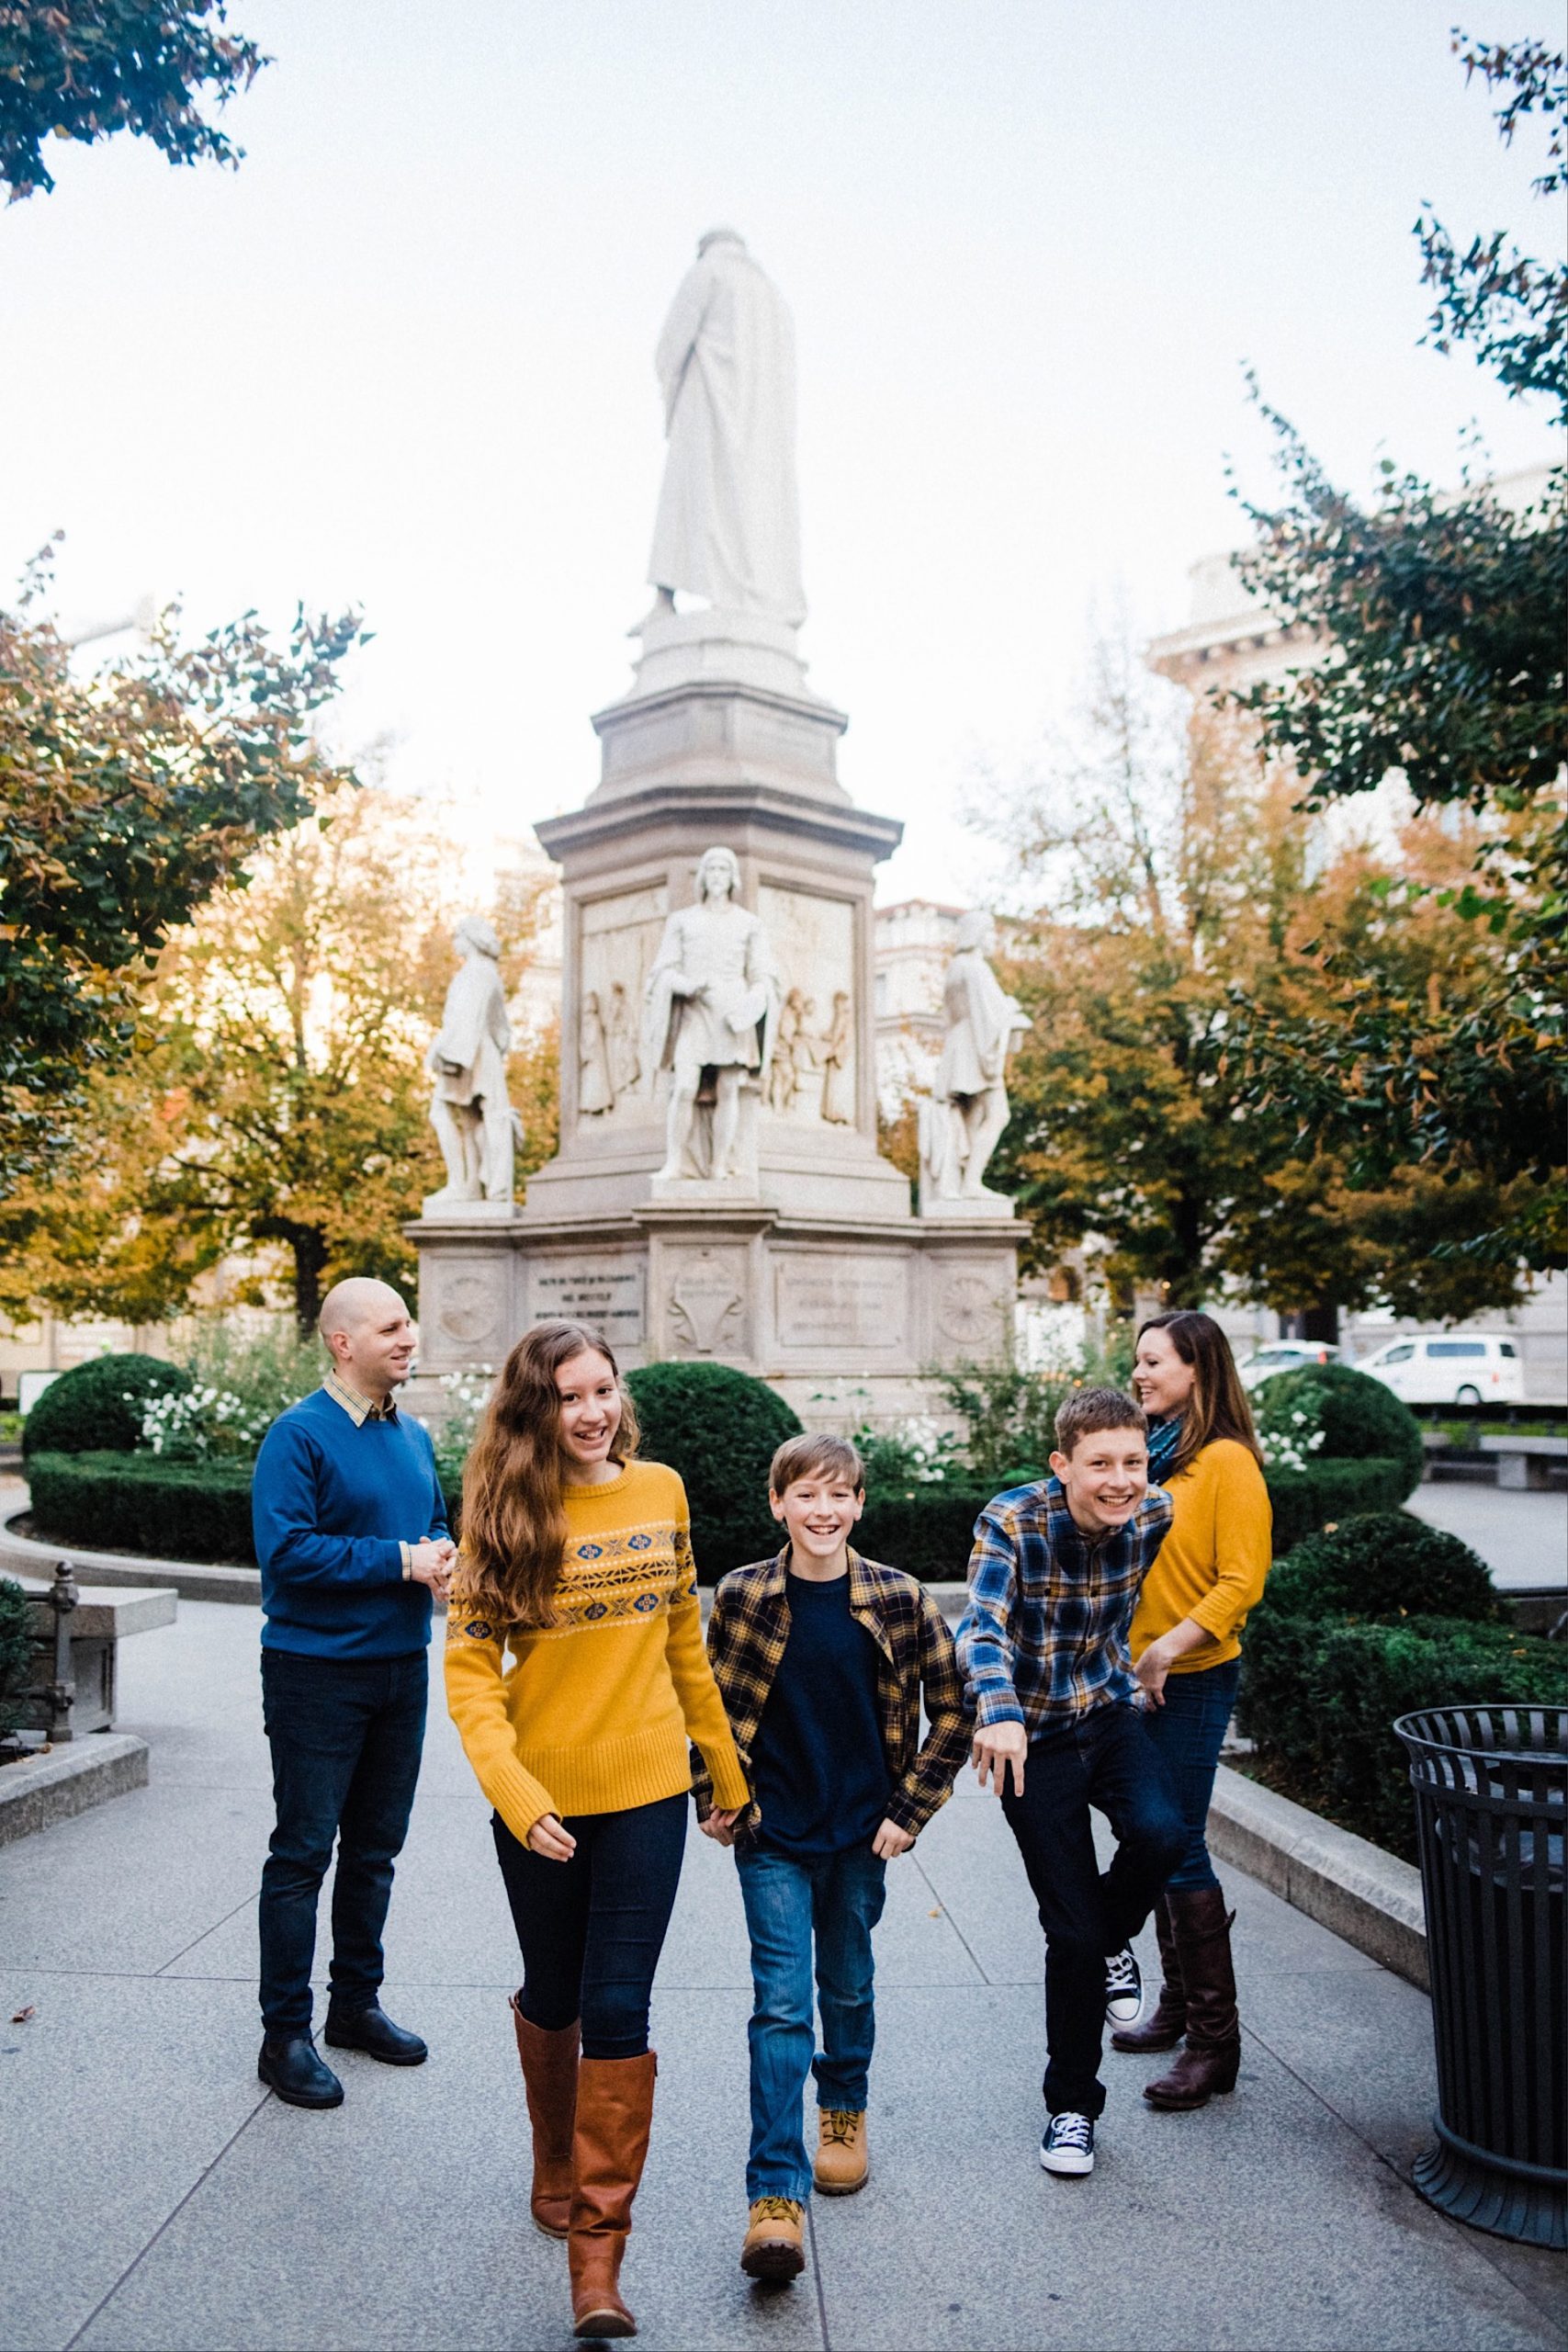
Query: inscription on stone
{"x": 840, "y": 1304}
{"x": 609, "y": 1297}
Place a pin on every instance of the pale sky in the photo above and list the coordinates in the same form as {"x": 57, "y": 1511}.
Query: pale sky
{"x": 403, "y": 357}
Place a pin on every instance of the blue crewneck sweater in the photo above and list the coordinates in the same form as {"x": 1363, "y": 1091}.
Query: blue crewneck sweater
{"x": 332, "y": 1506}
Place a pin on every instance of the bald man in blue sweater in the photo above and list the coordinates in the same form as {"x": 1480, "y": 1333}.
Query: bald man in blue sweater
{"x": 351, "y": 1535}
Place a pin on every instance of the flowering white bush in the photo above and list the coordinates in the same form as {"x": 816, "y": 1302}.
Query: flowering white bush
{"x": 468, "y": 1392}
{"x": 918, "y": 1451}
{"x": 195, "y": 1423}
{"x": 1289, "y": 1433}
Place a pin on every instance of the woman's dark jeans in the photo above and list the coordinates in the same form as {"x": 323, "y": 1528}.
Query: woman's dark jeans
{"x": 591, "y": 1929}
{"x": 345, "y": 1736}
{"x": 1187, "y": 1731}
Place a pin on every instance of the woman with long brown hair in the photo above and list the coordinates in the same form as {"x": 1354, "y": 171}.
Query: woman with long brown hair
{"x": 577, "y": 1558}
{"x": 1186, "y": 1650}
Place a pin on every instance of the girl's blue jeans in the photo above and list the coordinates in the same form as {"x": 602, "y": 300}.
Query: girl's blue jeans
{"x": 1187, "y": 1731}
{"x": 831, "y": 1901}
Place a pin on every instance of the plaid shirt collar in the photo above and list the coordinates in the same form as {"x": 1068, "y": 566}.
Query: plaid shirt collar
{"x": 864, "y": 1596}
{"x": 359, "y": 1409}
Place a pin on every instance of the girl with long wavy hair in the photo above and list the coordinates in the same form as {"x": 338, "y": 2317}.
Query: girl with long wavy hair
{"x": 577, "y": 1558}
{"x": 1186, "y": 1645}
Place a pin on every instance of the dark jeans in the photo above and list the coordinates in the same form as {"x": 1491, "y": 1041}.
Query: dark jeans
{"x": 1187, "y": 1731}
{"x": 345, "y": 1736}
{"x": 591, "y": 1929}
{"x": 792, "y": 1901}
{"x": 1106, "y": 1760}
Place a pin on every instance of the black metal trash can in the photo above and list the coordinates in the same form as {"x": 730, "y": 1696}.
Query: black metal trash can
{"x": 1491, "y": 1797}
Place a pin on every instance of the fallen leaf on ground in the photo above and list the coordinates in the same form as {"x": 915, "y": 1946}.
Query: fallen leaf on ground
{"x": 20, "y": 2016}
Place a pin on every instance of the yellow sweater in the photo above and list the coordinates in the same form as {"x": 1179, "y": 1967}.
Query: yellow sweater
{"x": 1213, "y": 1563}
{"x": 595, "y": 1712}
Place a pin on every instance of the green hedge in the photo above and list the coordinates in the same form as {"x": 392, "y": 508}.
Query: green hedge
{"x": 17, "y": 1647}
{"x": 138, "y": 1502}
{"x": 1319, "y": 1697}
{"x": 1358, "y": 1417}
{"x": 1385, "y": 1563}
{"x": 720, "y": 1430}
{"x": 85, "y": 1411}
{"x": 1330, "y": 1489}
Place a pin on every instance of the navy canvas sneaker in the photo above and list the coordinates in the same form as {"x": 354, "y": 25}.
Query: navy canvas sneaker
{"x": 1068, "y": 2145}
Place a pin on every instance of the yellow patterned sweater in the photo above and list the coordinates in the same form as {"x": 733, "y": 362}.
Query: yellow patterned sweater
{"x": 595, "y": 1712}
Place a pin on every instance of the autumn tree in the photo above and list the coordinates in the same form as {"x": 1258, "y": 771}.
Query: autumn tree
{"x": 1437, "y": 617}
{"x": 1165, "y": 873}
{"x": 280, "y": 1105}
{"x": 127, "y": 798}
{"x": 85, "y": 69}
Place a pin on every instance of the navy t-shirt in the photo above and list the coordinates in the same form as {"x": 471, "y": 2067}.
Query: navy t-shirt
{"x": 818, "y": 1770}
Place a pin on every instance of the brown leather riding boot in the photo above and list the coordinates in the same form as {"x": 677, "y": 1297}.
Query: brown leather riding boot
{"x": 1210, "y": 2060}
{"x": 1165, "y": 2028}
{"x": 550, "y": 2080}
{"x": 614, "y": 2113}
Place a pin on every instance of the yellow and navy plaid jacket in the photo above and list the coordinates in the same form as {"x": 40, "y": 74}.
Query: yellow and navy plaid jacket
{"x": 747, "y": 1634}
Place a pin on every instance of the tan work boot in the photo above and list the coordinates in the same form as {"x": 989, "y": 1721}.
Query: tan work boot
{"x": 775, "y": 2239}
{"x": 842, "y": 2161}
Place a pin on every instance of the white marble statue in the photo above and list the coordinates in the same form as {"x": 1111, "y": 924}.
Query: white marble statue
{"x": 712, "y": 1003}
{"x": 728, "y": 521}
{"x": 470, "y": 1114}
{"x": 961, "y": 1123}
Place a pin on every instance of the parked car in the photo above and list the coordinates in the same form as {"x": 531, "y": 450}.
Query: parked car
{"x": 1285, "y": 1355}
{"x": 1473, "y": 1368}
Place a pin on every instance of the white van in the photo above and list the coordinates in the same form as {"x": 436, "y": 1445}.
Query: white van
{"x": 1473, "y": 1368}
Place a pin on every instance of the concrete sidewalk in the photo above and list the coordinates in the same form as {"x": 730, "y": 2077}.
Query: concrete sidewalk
{"x": 156, "y": 2197}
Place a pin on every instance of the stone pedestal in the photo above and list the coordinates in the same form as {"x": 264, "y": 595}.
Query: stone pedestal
{"x": 810, "y": 1270}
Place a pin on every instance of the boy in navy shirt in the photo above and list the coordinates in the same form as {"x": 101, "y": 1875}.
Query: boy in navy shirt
{"x": 822, "y": 1658}
{"x": 351, "y": 1535}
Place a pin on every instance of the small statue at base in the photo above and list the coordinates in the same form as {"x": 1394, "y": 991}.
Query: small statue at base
{"x": 474, "y": 1122}
{"x": 961, "y": 1123}
{"x": 712, "y": 1004}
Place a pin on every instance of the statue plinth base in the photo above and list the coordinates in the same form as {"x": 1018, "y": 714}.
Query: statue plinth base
{"x": 849, "y": 1318}
{"x": 441, "y": 1209}
{"x": 967, "y": 1208}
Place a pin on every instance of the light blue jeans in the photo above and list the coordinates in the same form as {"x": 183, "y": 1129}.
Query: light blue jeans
{"x": 833, "y": 1901}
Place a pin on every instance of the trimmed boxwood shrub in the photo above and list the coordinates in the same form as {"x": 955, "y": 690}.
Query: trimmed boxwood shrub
{"x": 138, "y": 1502}
{"x": 1327, "y": 1489}
{"x": 719, "y": 1428}
{"x": 16, "y": 1654}
{"x": 1358, "y": 1417}
{"x": 1383, "y": 1564}
{"x": 927, "y": 1529}
{"x": 1319, "y": 1697}
{"x": 84, "y": 1412}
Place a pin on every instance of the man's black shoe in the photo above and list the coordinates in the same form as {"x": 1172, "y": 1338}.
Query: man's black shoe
{"x": 288, "y": 2065}
{"x": 373, "y": 2032}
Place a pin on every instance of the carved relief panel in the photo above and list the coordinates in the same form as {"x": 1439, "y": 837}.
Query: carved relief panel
{"x": 813, "y": 1079}
{"x": 618, "y": 938}
{"x": 706, "y": 1303}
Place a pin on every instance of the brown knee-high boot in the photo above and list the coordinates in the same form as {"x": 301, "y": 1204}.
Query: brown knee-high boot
{"x": 550, "y": 2080}
{"x": 1209, "y": 2061}
{"x": 1169, "y": 2023}
{"x": 615, "y": 2114}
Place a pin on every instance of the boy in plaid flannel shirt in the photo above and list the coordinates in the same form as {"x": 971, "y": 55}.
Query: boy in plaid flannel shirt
{"x": 822, "y": 1658}
{"x": 1053, "y": 1579}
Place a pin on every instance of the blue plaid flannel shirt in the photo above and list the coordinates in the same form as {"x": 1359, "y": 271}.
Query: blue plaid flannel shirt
{"x": 1045, "y": 1636}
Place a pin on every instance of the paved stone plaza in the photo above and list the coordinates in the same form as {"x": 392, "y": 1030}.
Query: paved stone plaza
{"x": 157, "y": 2197}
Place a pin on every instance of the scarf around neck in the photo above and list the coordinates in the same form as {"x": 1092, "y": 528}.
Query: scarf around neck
{"x": 1164, "y": 1437}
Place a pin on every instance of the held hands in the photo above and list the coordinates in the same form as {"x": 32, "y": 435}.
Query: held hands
{"x": 432, "y": 1562}
{"x": 548, "y": 1837}
{"x": 1150, "y": 1673}
{"x": 721, "y": 1826}
{"x": 891, "y": 1841}
{"x": 998, "y": 1748}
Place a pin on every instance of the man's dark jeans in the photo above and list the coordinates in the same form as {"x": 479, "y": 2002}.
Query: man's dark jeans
{"x": 1106, "y": 1760}
{"x": 345, "y": 1736}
